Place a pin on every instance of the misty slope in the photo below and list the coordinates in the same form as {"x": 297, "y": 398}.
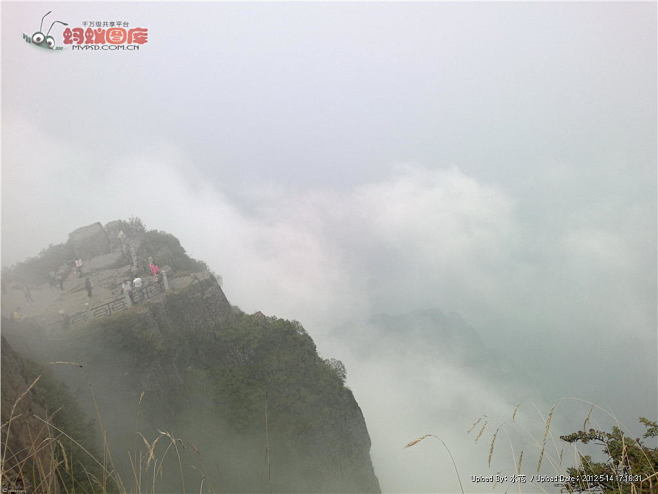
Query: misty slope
{"x": 433, "y": 335}
{"x": 431, "y": 330}
{"x": 428, "y": 346}
{"x": 255, "y": 406}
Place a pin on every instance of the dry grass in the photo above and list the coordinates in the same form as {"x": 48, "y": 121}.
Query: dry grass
{"x": 556, "y": 459}
{"x": 491, "y": 446}
{"x": 474, "y": 424}
{"x": 547, "y": 429}
{"x": 454, "y": 464}
{"x": 484, "y": 426}
{"x": 45, "y": 459}
{"x": 587, "y": 417}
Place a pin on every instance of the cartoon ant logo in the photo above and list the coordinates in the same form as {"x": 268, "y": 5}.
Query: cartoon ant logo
{"x": 44, "y": 40}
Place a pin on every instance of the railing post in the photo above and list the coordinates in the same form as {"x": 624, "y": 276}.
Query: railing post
{"x": 126, "y": 295}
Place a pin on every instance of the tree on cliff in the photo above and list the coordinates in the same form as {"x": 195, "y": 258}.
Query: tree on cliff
{"x": 630, "y": 466}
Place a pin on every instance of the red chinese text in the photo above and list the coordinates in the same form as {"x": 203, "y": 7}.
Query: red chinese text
{"x": 113, "y": 36}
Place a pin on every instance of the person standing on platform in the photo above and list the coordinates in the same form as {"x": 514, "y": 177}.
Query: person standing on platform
{"x": 88, "y": 286}
{"x": 137, "y": 285}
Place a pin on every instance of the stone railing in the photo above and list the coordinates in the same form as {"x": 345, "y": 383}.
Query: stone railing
{"x": 118, "y": 305}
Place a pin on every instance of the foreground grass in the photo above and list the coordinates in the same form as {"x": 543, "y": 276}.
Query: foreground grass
{"x": 622, "y": 464}
{"x": 48, "y": 460}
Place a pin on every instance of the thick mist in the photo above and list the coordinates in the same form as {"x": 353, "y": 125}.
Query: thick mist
{"x": 418, "y": 239}
{"x": 491, "y": 161}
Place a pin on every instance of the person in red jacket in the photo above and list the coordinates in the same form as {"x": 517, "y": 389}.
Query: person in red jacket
{"x": 155, "y": 271}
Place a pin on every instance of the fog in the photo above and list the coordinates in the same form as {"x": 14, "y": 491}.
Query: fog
{"x": 335, "y": 162}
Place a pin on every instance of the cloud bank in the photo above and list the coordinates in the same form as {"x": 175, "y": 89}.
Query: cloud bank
{"x": 417, "y": 238}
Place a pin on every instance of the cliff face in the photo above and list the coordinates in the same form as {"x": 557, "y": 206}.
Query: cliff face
{"x": 243, "y": 400}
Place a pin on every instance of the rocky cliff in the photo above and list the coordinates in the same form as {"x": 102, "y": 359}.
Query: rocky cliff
{"x": 188, "y": 392}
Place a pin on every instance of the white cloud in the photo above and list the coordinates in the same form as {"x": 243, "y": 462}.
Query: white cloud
{"x": 414, "y": 239}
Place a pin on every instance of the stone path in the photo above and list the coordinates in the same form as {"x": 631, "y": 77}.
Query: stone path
{"x": 49, "y": 301}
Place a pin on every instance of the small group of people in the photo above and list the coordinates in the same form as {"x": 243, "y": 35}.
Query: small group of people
{"x": 136, "y": 286}
{"x": 131, "y": 287}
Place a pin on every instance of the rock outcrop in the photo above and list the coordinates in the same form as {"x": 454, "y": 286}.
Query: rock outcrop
{"x": 89, "y": 241}
{"x": 245, "y": 400}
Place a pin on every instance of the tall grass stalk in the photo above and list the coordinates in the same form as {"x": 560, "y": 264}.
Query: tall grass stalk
{"x": 454, "y": 464}
{"x": 547, "y": 429}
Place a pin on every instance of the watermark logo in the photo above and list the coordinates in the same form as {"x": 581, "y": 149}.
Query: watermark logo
{"x": 92, "y": 36}
{"x": 44, "y": 40}
{"x": 105, "y": 35}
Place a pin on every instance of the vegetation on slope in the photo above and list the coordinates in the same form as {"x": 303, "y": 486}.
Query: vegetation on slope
{"x": 237, "y": 388}
{"x": 36, "y": 407}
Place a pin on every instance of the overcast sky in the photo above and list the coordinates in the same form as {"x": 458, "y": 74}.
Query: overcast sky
{"x": 336, "y": 161}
